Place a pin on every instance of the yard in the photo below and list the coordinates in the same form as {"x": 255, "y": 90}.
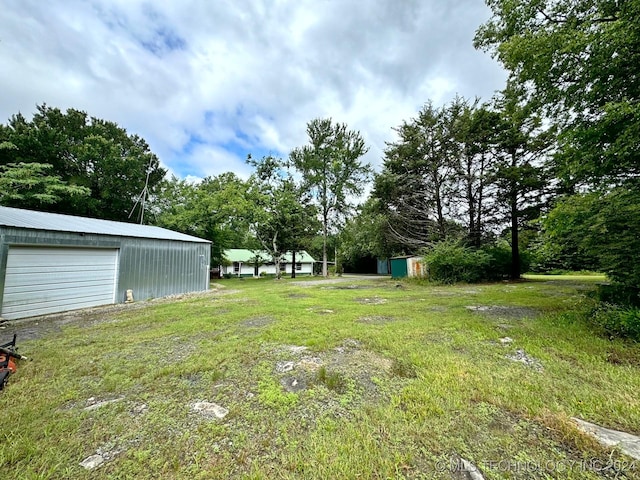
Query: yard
{"x": 363, "y": 378}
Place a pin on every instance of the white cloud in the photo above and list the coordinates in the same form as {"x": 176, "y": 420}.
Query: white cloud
{"x": 205, "y": 83}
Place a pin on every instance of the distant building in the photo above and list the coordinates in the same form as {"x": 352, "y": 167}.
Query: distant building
{"x": 253, "y": 263}
{"x": 53, "y": 263}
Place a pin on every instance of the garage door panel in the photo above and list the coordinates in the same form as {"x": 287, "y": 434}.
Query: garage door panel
{"x": 54, "y": 269}
{"x": 56, "y": 278}
{"x": 48, "y": 292}
{"x": 43, "y": 280}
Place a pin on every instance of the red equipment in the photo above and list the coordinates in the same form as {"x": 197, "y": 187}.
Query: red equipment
{"x": 7, "y": 365}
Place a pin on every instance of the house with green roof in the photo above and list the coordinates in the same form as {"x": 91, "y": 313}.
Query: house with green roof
{"x": 253, "y": 263}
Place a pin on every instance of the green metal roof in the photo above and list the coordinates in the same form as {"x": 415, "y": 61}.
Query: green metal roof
{"x": 244, "y": 255}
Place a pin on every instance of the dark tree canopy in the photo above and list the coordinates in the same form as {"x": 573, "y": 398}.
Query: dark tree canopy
{"x": 83, "y": 151}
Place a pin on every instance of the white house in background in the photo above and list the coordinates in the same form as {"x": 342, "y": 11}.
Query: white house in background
{"x": 253, "y": 263}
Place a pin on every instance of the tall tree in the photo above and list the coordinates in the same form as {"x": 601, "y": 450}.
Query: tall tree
{"x": 519, "y": 172}
{"x": 283, "y": 217}
{"x": 86, "y": 152}
{"x": 332, "y": 172}
{"x": 579, "y": 61}
{"x": 476, "y": 131}
{"x": 418, "y": 178}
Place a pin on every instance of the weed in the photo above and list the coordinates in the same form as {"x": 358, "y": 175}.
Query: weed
{"x": 403, "y": 368}
{"x": 332, "y": 380}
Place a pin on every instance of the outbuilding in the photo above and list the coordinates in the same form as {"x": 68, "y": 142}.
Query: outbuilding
{"x": 408, "y": 266}
{"x": 53, "y": 263}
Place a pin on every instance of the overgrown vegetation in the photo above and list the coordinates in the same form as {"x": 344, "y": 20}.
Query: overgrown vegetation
{"x": 315, "y": 390}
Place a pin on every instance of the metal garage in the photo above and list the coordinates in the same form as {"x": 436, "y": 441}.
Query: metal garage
{"x": 53, "y": 263}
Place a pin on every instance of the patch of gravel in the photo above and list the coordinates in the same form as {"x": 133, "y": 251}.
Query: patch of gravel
{"x": 502, "y": 311}
{"x": 321, "y": 310}
{"x": 376, "y": 319}
{"x": 524, "y": 358}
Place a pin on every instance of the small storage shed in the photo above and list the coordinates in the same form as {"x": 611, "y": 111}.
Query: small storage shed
{"x": 407, "y": 266}
{"x": 53, "y": 263}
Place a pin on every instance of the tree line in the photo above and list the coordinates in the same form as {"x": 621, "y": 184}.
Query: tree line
{"x": 548, "y": 167}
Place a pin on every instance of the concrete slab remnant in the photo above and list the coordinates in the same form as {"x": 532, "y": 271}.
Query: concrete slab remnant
{"x": 628, "y": 444}
{"x": 91, "y": 462}
{"x": 210, "y": 409}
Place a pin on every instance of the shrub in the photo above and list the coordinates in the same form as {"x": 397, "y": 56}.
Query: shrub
{"x": 618, "y": 294}
{"x": 451, "y": 262}
{"x": 616, "y": 321}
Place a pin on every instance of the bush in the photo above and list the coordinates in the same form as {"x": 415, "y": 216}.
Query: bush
{"x": 615, "y": 293}
{"x": 616, "y": 321}
{"x": 451, "y": 262}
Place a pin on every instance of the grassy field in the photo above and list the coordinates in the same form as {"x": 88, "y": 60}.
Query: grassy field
{"x": 359, "y": 379}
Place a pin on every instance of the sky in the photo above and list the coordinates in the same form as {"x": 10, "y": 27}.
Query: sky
{"x": 206, "y": 82}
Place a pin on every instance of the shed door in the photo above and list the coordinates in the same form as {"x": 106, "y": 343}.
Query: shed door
{"x": 43, "y": 280}
{"x": 399, "y": 268}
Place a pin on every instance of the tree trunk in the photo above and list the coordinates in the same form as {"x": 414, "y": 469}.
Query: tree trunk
{"x": 293, "y": 264}
{"x": 441, "y": 224}
{"x": 276, "y": 257}
{"x": 325, "y": 271}
{"x": 473, "y": 228}
{"x": 515, "y": 248}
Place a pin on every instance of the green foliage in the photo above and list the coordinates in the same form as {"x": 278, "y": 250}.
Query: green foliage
{"x": 616, "y": 321}
{"x": 283, "y": 218}
{"x": 403, "y": 368}
{"x": 80, "y": 153}
{"x": 27, "y": 185}
{"x": 580, "y": 61}
{"x": 452, "y": 262}
{"x": 601, "y": 226}
{"x": 217, "y": 209}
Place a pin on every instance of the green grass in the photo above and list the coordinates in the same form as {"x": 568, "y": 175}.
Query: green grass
{"x": 395, "y": 382}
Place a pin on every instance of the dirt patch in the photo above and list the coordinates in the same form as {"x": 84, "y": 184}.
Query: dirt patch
{"x": 348, "y": 287}
{"x": 508, "y": 312}
{"x": 376, "y": 320}
{"x": 624, "y": 357}
{"x": 298, "y": 295}
{"x": 371, "y": 300}
{"x": 257, "y": 322}
{"x": 335, "y": 280}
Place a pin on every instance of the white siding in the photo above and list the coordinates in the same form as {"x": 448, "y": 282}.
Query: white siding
{"x": 42, "y": 280}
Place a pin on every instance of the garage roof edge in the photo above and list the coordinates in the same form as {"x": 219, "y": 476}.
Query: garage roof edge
{"x": 31, "y": 219}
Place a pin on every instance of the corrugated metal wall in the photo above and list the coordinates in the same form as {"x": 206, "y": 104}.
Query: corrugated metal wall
{"x": 150, "y": 267}
{"x": 157, "y": 268}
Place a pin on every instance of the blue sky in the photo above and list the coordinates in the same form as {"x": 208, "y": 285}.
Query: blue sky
{"x": 207, "y": 82}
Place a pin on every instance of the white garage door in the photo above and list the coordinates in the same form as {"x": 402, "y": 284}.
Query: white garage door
{"x": 43, "y": 280}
